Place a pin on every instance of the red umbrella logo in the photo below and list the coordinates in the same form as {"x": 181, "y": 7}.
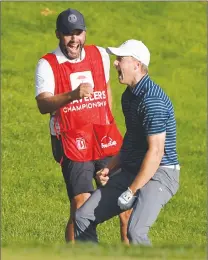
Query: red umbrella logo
{"x": 81, "y": 78}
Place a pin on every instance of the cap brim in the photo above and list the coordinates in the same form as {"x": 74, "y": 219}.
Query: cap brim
{"x": 117, "y": 51}
{"x": 76, "y": 27}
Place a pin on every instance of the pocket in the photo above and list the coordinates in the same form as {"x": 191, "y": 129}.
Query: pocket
{"x": 108, "y": 138}
{"x": 78, "y": 143}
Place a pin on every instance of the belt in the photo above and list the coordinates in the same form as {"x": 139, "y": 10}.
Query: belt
{"x": 174, "y": 167}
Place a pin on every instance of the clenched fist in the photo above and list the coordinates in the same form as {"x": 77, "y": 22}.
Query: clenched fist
{"x": 83, "y": 90}
{"x": 102, "y": 176}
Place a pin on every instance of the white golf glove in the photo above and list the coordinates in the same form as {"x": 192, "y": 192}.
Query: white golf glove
{"x": 126, "y": 200}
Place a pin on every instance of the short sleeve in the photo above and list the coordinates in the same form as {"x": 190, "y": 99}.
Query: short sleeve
{"x": 106, "y": 62}
{"x": 155, "y": 116}
{"x": 44, "y": 78}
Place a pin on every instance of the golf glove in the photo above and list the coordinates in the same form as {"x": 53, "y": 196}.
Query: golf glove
{"x": 126, "y": 200}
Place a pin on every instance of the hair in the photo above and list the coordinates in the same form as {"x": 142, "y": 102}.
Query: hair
{"x": 144, "y": 68}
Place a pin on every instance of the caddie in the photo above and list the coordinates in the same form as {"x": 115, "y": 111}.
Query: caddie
{"x": 72, "y": 85}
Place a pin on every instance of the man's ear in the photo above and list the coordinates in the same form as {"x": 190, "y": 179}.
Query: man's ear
{"x": 137, "y": 65}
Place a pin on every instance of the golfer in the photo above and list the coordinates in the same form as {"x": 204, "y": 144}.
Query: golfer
{"x": 148, "y": 162}
{"x": 72, "y": 85}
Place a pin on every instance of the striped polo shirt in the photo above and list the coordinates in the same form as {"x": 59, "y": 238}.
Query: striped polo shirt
{"x": 147, "y": 111}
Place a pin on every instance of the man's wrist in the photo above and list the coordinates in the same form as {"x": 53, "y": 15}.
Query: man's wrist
{"x": 112, "y": 168}
{"x": 109, "y": 168}
{"x": 132, "y": 189}
{"x": 71, "y": 95}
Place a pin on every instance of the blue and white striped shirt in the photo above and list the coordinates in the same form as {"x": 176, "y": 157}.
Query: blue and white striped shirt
{"x": 147, "y": 111}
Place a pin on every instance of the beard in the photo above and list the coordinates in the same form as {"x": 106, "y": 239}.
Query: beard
{"x": 72, "y": 51}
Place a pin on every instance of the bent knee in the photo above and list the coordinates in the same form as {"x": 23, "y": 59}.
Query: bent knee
{"x": 138, "y": 236}
{"x": 79, "y": 200}
{"x": 81, "y": 215}
{"x": 78, "y": 215}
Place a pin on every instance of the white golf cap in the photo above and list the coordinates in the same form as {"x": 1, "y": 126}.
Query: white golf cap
{"x": 133, "y": 48}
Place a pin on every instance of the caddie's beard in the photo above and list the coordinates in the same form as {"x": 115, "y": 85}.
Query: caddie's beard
{"x": 67, "y": 52}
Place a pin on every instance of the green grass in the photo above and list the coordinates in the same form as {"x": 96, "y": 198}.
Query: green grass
{"x": 104, "y": 252}
{"x": 35, "y": 206}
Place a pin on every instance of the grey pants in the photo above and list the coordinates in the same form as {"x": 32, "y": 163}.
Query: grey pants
{"x": 102, "y": 205}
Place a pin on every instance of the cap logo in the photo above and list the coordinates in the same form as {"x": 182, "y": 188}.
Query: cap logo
{"x": 72, "y": 18}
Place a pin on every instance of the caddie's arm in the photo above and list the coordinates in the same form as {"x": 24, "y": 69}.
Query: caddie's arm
{"x": 48, "y": 103}
{"x": 151, "y": 162}
{"x": 45, "y": 88}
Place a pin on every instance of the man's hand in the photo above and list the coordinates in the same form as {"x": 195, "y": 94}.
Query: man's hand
{"x": 102, "y": 176}
{"x": 126, "y": 200}
{"x": 83, "y": 90}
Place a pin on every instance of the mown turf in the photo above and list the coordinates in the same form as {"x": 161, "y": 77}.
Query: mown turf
{"x": 104, "y": 252}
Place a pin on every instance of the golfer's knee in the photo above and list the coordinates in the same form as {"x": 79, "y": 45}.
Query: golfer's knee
{"x": 80, "y": 218}
{"x": 81, "y": 223}
{"x": 78, "y": 222}
{"x": 78, "y": 215}
{"x": 138, "y": 235}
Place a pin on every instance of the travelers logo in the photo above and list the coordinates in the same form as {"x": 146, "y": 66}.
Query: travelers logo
{"x": 77, "y": 78}
{"x": 82, "y": 78}
{"x": 80, "y": 142}
{"x": 107, "y": 141}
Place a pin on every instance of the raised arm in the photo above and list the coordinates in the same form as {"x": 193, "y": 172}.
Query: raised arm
{"x": 48, "y": 103}
{"x": 45, "y": 87}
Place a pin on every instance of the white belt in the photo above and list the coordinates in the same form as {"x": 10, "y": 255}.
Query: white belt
{"x": 174, "y": 167}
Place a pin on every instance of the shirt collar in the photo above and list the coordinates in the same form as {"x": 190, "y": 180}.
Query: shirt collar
{"x": 140, "y": 85}
{"x": 62, "y": 58}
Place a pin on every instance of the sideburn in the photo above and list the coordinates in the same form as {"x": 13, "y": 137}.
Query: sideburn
{"x": 63, "y": 50}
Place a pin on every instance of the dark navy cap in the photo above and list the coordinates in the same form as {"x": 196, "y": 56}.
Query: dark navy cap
{"x": 70, "y": 20}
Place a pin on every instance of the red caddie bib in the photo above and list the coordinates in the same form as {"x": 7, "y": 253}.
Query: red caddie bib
{"x": 86, "y": 127}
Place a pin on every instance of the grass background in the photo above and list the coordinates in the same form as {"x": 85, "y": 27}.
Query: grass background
{"x": 35, "y": 206}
